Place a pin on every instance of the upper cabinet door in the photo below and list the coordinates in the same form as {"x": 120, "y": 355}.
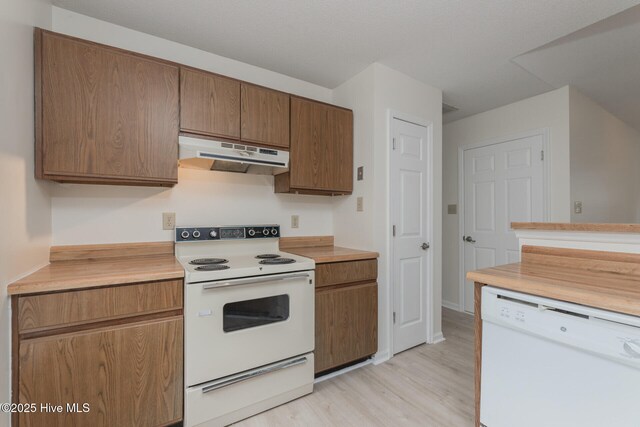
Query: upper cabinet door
{"x": 321, "y": 147}
{"x": 104, "y": 115}
{"x": 209, "y": 104}
{"x": 265, "y": 116}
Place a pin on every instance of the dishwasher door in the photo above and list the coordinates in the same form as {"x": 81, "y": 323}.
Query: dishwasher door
{"x": 550, "y": 363}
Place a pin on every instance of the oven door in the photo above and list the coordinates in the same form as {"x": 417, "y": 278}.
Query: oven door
{"x": 236, "y": 325}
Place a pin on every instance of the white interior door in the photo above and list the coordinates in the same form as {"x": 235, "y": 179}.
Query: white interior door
{"x": 503, "y": 183}
{"x": 410, "y": 210}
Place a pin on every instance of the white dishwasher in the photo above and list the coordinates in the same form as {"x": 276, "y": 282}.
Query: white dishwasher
{"x": 548, "y": 363}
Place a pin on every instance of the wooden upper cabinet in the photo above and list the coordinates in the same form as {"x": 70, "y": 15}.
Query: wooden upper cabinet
{"x": 321, "y": 152}
{"x": 209, "y": 104}
{"x": 104, "y": 115}
{"x": 264, "y": 117}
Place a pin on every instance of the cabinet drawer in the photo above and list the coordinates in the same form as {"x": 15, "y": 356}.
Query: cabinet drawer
{"x": 129, "y": 375}
{"x": 55, "y": 310}
{"x": 346, "y": 325}
{"x": 335, "y": 273}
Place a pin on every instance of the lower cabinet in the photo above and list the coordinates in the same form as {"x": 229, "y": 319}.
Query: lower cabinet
{"x": 115, "y": 372}
{"x": 346, "y": 313}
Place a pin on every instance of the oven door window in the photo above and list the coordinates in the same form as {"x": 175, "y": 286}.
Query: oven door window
{"x": 255, "y": 312}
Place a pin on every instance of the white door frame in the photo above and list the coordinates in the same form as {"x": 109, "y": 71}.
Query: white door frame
{"x": 428, "y": 286}
{"x": 544, "y": 132}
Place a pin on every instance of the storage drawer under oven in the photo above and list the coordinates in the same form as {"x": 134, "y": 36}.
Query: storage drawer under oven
{"x": 233, "y": 398}
{"x": 236, "y": 325}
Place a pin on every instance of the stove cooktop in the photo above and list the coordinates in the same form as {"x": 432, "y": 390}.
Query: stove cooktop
{"x": 208, "y": 261}
{"x": 221, "y": 266}
{"x": 234, "y": 252}
{"x": 278, "y": 260}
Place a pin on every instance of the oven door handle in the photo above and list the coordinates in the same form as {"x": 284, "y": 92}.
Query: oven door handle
{"x": 215, "y": 385}
{"x": 254, "y": 281}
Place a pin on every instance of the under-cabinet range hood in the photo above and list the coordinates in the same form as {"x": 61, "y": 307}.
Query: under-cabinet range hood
{"x": 207, "y": 154}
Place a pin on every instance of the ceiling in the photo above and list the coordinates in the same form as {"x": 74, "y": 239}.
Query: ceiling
{"x": 602, "y": 61}
{"x": 464, "y": 47}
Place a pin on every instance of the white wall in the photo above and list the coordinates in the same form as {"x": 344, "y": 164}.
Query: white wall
{"x": 25, "y": 221}
{"x": 374, "y": 92}
{"x": 547, "y": 111}
{"x": 355, "y": 229}
{"x": 100, "y": 214}
{"x": 605, "y": 153}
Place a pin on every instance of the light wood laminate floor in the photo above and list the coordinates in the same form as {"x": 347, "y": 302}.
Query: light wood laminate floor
{"x": 428, "y": 385}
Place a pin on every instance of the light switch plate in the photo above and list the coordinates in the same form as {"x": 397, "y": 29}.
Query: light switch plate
{"x": 577, "y": 207}
{"x": 295, "y": 221}
{"x": 452, "y": 209}
{"x": 359, "y": 204}
{"x": 168, "y": 220}
{"x": 360, "y": 173}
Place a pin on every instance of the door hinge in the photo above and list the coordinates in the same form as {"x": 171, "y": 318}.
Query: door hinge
{"x": 542, "y": 155}
{"x": 394, "y": 317}
{"x": 393, "y": 230}
{"x": 394, "y": 143}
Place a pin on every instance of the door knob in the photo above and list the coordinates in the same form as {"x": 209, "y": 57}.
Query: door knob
{"x": 424, "y": 246}
{"x": 468, "y": 239}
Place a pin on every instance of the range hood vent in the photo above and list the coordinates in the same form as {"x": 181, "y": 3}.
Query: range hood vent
{"x": 207, "y": 154}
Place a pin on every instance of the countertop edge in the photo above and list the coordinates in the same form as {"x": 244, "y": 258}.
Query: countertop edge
{"x": 84, "y": 283}
{"x": 583, "y": 227}
{"x": 538, "y": 287}
{"x": 355, "y": 255}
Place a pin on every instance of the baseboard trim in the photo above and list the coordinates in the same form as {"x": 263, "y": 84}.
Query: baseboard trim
{"x": 438, "y": 338}
{"x": 343, "y": 371}
{"x": 450, "y": 305}
{"x": 379, "y": 358}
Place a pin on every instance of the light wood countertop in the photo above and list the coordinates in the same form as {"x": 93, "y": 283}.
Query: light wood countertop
{"x": 324, "y": 254}
{"x": 322, "y": 250}
{"x": 562, "y": 226}
{"x": 91, "y": 266}
{"x": 606, "y": 280}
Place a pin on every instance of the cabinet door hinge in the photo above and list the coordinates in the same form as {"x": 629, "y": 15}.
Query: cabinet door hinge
{"x": 393, "y": 230}
{"x": 394, "y": 143}
{"x": 394, "y": 317}
{"x": 542, "y": 155}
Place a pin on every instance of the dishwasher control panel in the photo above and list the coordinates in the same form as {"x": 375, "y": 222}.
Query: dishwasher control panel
{"x": 608, "y": 334}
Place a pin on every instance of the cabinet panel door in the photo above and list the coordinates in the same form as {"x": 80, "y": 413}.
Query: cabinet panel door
{"x": 107, "y": 113}
{"x": 265, "y": 116}
{"x": 209, "y": 104}
{"x": 321, "y": 146}
{"x": 130, "y": 375}
{"x": 346, "y": 325}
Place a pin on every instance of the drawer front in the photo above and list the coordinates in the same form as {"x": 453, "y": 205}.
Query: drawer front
{"x": 56, "y": 310}
{"x": 236, "y": 397}
{"x": 335, "y": 273}
{"x": 129, "y": 376}
{"x": 346, "y": 325}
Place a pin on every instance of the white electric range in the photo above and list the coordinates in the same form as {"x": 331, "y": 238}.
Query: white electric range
{"x": 249, "y": 322}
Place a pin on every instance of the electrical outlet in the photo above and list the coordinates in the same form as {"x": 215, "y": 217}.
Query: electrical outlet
{"x": 168, "y": 220}
{"x": 577, "y": 207}
{"x": 359, "y": 204}
{"x": 295, "y": 221}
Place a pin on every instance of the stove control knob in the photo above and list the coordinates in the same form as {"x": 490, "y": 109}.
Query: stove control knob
{"x": 184, "y": 234}
{"x": 252, "y": 232}
{"x": 265, "y": 232}
{"x": 213, "y": 234}
{"x": 196, "y": 233}
{"x": 274, "y": 231}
